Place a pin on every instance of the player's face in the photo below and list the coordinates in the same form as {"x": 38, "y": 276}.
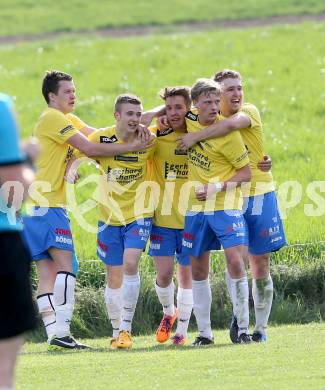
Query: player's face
{"x": 232, "y": 96}
{"x": 176, "y": 110}
{"x": 129, "y": 116}
{"x": 208, "y": 106}
{"x": 65, "y": 99}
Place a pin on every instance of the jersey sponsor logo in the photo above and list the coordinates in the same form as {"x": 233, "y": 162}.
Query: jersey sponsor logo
{"x": 144, "y": 232}
{"x": 127, "y": 158}
{"x": 162, "y": 133}
{"x": 205, "y": 143}
{"x": 63, "y": 232}
{"x": 124, "y": 175}
{"x": 69, "y": 154}
{"x": 199, "y": 159}
{"x": 107, "y": 140}
{"x": 276, "y": 239}
{"x": 63, "y": 240}
{"x": 190, "y": 115}
{"x": 242, "y": 157}
{"x": 154, "y": 246}
{"x": 234, "y": 227}
{"x": 66, "y": 129}
{"x": 176, "y": 171}
{"x": 270, "y": 232}
{"x": 187, "y": 244}
{"x": 179, "y": 152}
{"x": 156, "y": 237}
{"x": 188, "y": 236}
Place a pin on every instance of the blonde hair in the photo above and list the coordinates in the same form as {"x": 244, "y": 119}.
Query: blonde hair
{"x": 204, "y": 86}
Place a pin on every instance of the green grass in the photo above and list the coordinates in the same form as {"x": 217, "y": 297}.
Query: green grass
{"x": 283, "y": 68}
{"x": 27, "y": 16}
{"x": 293, "y": 358}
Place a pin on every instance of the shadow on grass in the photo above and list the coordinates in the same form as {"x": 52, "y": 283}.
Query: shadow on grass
{"x": 154, "y": 348}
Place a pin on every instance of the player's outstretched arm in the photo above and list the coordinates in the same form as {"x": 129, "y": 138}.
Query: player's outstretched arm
{"x": 148, "y": 116}
{"x": 218, "y": 129}
{"x": 242, "y": 175}
{"x": 87, "y": 130}
{"x": 91, "y": 149}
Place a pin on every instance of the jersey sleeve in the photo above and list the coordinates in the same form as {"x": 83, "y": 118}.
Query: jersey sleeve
{"x": 235, "y": 151}
{"x": 60, "y": 128}
{"x": 252, "y": 112}
{"x": 9, "y": 134}
{"x": 76, "y": 121}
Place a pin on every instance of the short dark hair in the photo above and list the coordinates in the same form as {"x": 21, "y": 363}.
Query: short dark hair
{"x": 126, "y": 98}
{"x": 51, "y": 82}
{"x": 204, "y": 86}
{"x": 226, "y": 74}
{"x": 177, "y": 91}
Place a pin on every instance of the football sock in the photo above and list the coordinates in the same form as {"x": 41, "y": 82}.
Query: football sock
{"x": 228, "y": 284}
{"x": 166, "y": 298}
{"x": 113, "y": 300}
{"x": 130, "y": 294}
{"x": 239, "y": 288}
{"x": 64, "y": 301}
{"x": 202, "y": 306}
{"x": 184, "y": 305}
{"x": 46, "y": 309}
{"x": 262, "y": 291}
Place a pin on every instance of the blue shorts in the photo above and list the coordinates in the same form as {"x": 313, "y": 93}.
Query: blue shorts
{"x": 167, "y": 242}
{"x": 204, "y": 232}
{"x": 47, "y": 228}
{"x": 265, "y": 229}
{"x": 113, "y": 240}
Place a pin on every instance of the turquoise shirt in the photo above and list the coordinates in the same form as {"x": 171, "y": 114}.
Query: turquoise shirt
{"x": 10, "y": 153}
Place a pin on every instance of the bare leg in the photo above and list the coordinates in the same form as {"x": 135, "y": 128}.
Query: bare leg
{"x": 9, "y": 349}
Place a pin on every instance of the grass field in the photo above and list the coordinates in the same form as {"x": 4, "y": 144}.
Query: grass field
{"x": 293, "y": 358}
{"x": 27, "y": 16}
{"x": 283, "y": 70}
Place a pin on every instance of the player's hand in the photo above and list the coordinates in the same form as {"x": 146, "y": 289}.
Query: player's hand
{"x": 205, "y": 192}
{"x": 143, "y": 133}
{"x": 71, "y": 172}
{"x": 31, "y": 148}
{"x": 162, "y": 122}
{"x": 139, "y": 143}
{"x": 265, "y": 165}
{"x": 186, "y": 141}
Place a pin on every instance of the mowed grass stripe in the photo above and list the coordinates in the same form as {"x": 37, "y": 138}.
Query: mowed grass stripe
{"x": 28, "y": 17}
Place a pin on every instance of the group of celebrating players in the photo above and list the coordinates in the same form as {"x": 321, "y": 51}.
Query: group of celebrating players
{"x": 197, "y": 181}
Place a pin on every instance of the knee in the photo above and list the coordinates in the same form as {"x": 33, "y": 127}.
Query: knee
{"x": 114, "y": 279}
{"x": 199, "y": 273}
{"x": 260, "y": 266}
{"x": 185, "y": 277}
{"x": 236, "y": 268}
{"x": 130, "y": 266}
{"x": 164, "y": 278}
